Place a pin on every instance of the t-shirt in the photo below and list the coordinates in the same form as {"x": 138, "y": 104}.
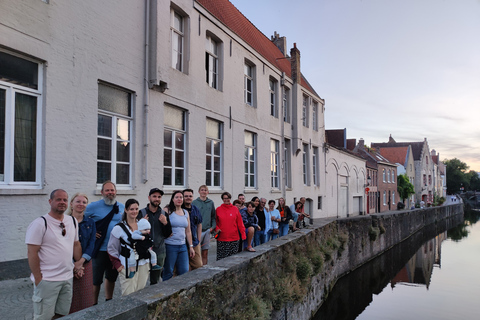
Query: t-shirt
{"x": 179, "y": 223}
{"x": 98, "y": 210}
{"x": 56, "y": 250}
{"x": 118, "y": 233}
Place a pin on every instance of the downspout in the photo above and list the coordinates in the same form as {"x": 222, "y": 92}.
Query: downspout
{"x": 282, "y": 142}
{"x": 146, "y": 96}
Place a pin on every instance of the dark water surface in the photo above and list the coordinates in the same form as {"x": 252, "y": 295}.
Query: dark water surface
{"x": 431, "y": 275}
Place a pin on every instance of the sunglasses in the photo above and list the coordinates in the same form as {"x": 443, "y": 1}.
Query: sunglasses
{"x": 64, "y": 232}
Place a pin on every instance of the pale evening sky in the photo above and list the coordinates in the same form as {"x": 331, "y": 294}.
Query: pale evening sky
{"x": 410, "y": 68}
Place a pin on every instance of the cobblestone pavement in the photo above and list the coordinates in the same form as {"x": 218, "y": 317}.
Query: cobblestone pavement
{"x": 16, "y": 295}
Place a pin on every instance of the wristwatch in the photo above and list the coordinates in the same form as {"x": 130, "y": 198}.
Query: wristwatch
{"x": 191, "y": 246}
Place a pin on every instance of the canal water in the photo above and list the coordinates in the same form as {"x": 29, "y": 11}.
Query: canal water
{"x": 431, "y": 275}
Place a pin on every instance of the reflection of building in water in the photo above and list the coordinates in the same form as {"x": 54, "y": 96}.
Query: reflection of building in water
{"x": 419, "y": 268}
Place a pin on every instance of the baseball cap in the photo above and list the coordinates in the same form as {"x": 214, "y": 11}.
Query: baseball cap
{"x": 152, "y": 191}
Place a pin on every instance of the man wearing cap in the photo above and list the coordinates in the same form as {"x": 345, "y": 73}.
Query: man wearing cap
{"x": 161, "y": 228}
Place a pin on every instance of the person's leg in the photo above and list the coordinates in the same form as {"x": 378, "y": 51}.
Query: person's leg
{"x": 250, "y": 233}
{"x": 196, "y": 261}
{"x": 142, "y": 276}
{"x": 182, "y": 260}
{"x": 263, "y": 238}
{"x": 170, "y": 259}
{"x": 44, "y": 299}
{"x": 64, "y": 299}
{"x": 205, "y": 246}
{"x": 111, "y": 275}
{"x": 98, "y": 271}
{"x": 127, "y": 285}
{"x": 256, "y": 238}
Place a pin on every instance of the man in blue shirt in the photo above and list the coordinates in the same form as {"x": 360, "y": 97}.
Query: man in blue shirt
{"x": 106, "y": 213}
{"x": 196, "y": 227}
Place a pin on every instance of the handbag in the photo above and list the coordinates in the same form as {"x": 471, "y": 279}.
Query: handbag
{"x": 276, "y": 231}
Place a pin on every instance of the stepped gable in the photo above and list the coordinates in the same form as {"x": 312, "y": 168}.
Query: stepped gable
{"x": 234, "y": 20}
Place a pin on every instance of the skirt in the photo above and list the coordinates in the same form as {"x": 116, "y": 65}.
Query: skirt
{"x": 226, "y": 249}
{"x": 83, "y": 289}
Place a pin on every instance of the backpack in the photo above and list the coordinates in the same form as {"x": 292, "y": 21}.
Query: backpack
{"x": 140, "y": 247}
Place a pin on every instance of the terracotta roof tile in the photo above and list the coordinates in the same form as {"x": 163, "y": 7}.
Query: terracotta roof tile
{"x": 395, "y": 154}
{"x": 231, "y": 17}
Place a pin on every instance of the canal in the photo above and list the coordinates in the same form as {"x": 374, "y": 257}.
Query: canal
{"x": 431, "y": 275}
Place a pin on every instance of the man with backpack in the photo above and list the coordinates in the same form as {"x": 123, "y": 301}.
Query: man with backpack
{"x": 161, "y": 229}
{"x": 52, "y": 241}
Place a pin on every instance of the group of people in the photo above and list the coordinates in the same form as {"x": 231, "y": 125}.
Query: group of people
{"x": 71, "y": 256}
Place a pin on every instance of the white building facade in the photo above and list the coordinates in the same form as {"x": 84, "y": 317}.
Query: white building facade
{"x": 167, "y": 94}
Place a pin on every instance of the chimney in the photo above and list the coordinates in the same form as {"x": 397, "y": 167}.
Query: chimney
{"x": 433, "y": 152}
{"x": 295, "y": 62}
{"x": 361, "y": 143}
{"x": 280, "y": 42}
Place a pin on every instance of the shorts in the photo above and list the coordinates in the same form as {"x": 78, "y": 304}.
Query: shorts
{"x": 102, "y": 265}
{"x": 51, "y": 297}
{"x": 205, "y": 241}
{"x": 196, "y": 262}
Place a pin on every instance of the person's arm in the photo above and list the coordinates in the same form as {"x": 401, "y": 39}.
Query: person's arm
{"x": 213, "y": 215}
{"x": 88, "y": 250}
{"x": 113, "y": 250}
{"x": 165, "y": 225}
{"x": 188, "y": 233}
{"x": 77, "y": 250}
{"x": 241, "y": 226}
{"x": 199, "y": 232}
{"x": 34, "y": 262}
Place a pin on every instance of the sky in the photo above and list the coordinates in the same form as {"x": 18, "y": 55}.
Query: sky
{"x": 409, "y": 68}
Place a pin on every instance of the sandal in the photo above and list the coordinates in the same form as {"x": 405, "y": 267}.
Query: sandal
{"x": 250, "y": 249}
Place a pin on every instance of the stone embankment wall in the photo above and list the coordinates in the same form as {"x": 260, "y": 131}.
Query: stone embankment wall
{"x": 287, "y": 278}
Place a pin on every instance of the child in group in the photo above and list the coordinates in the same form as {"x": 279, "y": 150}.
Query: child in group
{"x": 142, "y": 234}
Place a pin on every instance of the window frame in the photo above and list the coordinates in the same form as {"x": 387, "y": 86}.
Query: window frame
{"x": 305, "y": 106}
{"x": 212, "y": 155}
{"x": 114, "y": 138}
{"x": 274, "y": 164}
{"x": 214, "y": 57}
{"x": 315, "y": 166}
{"x": 173, "y": 166}
{"x": 249, "y": 78}
{"x": 11, "y": 90}
{"x": 305, "y": 164}
{"x": 286, "y": 105}
{"x": 287, "y": 163}
{"x": 273, "y": 85}
{"x": 182, "y": 36}
{"x": 247, "y": 169}
{"x": 315, "y": 116}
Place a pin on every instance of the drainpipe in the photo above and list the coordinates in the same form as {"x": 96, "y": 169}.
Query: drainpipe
{"x": 146, "y": 94}
{"x": 282, "y": 141}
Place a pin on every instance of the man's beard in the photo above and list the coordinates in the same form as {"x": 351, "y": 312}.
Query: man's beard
{"x": 153, "y": 204}
{"x": 108, "y": 201}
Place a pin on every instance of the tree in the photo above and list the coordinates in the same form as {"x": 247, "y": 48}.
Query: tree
{"x": 474, "y": 180}
{"x": 404, "y": 187}
{"x": 456, "y": 175}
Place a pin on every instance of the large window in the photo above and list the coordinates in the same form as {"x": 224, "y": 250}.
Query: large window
{"x": 249, "y": 85}
{"x": 305, "y": 165}
{"x": 213, "y": 153}
{"x": 114, "y": 144}
{"x": 273, "y": 97}
{"x": 315, "y": 166}
{"x": 286, "y": 107}
{"x": 20, "y": 121}
{"x": 305, "y": 111}
{"x": 250, "y": 159}
{"x": 178, "y": 40}
{"x": 274, "y": 176}
{"x": 286, "y": 161}
{"x": 211, "y": 62}
{"x": 174, "y": 151}
{"x": 315, "y": 116}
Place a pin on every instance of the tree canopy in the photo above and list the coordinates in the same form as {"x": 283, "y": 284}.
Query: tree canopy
{"x": 458, "y": 177}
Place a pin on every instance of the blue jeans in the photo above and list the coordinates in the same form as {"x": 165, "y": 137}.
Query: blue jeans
{"x": 177, "y": 256}
{"x": 271, "y": 235}
{"x": 283, "y": 229}
{"x": 259, "y": 238}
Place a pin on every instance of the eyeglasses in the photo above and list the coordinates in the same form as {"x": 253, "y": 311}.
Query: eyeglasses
{"x": 64, "y": 232}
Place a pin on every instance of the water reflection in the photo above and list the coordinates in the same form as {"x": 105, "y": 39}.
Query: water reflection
{"x": 409, "y": 264}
